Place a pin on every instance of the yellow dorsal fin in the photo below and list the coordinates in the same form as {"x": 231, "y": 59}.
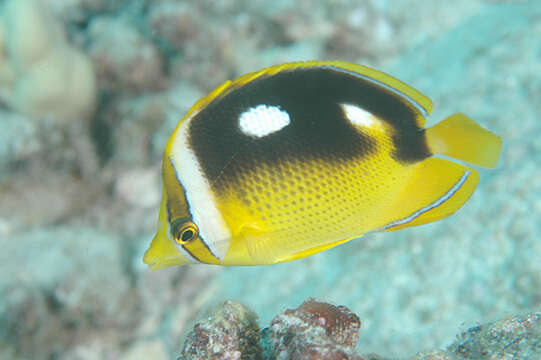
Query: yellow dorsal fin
{"x": 404, "y": 89}
{"x": 415, "y": 97}
{"x": 436, "y": 190}
{"x": 461, "y": 138}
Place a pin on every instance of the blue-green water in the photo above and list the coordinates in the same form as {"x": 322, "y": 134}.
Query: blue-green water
{"x": 80, "y": 188}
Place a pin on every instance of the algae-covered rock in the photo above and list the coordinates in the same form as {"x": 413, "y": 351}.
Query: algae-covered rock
{"x": 517, "y": 337}
{"x": 315, "y": 330}
{"x": 230, "y": 333}
{"x": 320, "y": 331}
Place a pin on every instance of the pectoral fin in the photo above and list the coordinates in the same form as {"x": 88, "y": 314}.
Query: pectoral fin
{"x": 273, "y": 248}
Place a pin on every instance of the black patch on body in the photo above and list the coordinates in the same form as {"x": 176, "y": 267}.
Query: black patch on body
{"x": 318, "y": 128}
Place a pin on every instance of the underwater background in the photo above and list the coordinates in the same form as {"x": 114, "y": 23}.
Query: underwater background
{"x": 90, "y": 91}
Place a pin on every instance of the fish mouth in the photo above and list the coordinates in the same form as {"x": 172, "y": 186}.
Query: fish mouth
{"x": 154, "y": 262}
{"x": 157, "y": 261}
{"x": 150, "y": 260}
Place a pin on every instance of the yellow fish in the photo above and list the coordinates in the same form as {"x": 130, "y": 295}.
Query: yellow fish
{"x": 297, "y": 158}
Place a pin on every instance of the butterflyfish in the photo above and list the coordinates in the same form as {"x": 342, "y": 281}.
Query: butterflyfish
{"x": 297, "y": 158}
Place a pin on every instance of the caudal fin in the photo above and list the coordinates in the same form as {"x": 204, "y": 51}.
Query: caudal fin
{"x": 461, "y": 138}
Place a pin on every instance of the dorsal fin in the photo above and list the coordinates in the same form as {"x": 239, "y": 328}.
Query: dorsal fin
{"x": 412, "y": 96}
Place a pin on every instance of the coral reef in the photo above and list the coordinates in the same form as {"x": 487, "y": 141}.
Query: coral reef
{"x": 79, "y": 189}
{"x": 321, "y": 331}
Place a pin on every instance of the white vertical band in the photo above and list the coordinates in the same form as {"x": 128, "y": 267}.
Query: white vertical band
{"x": 213, "y": 230}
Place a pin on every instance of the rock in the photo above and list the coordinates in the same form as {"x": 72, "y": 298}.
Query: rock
{"x": 26, "y": 202}
{"x": 174, "y": 23}
{"x": 58, "y": 287}
{"x": 41, "y": 74}
{"x": 435, "y": 355}
{"x": 134, "y": 122}
{"x": 18, "y": 138}
{"x": 231, "y": 333}
{"x": 80, "y": 11}
{"x": 146, "y": 350}
{"x": 139, "y": 187}
{"x": 320, "y": 331}
{"x": 315, "y": 330}
{"x": 517, "y": 337}
{"x": 124, "y": 59}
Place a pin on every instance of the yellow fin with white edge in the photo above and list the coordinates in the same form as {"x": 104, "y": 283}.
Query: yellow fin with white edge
{"x": 437, "y": 189}
{"x": 461, "y": 138}
{"x": 422, "y": 100}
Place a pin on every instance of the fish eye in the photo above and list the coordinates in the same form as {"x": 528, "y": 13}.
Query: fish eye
{"x": 187, "y": 233}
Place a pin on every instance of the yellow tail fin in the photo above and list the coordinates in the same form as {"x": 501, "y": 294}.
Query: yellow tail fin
{"x": 461, "y": 138}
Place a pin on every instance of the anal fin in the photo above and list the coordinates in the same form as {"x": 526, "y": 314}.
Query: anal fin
{"x": 437, "y": 189}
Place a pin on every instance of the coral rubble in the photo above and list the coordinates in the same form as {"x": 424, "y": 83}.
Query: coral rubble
{"x": 321, "y": 331}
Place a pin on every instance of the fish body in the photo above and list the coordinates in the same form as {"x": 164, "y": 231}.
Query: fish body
{"x": 297, "y": 158}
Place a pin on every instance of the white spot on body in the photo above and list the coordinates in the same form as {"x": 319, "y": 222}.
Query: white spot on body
{"x": 263, "y": 120}
{"x": 358, "y": 116}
